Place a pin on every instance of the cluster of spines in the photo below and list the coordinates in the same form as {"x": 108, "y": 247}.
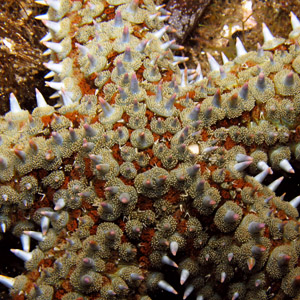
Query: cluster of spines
{"x": 186, "y": 144}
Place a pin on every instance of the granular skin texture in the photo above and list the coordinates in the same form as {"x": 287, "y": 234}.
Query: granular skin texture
{"x": 147, "y": 178}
